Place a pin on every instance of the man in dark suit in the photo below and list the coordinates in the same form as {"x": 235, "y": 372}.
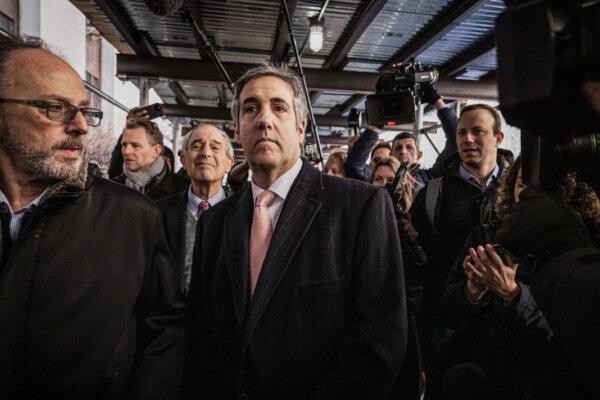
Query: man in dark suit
{"x": 302, "y": 298}
{"x": 206, "y": 155}
{"x": 144, "y": 169}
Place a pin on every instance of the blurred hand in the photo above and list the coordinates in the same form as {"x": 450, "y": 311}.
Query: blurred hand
{"x": 429, "y": 94}
{"x": 137, "y": 113}
{"x": 475, "y": 288}
{"x": 488, "y": 269}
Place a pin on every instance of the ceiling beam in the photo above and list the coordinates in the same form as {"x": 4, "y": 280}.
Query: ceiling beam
{"x": 139, "y": 41}
{"x": 347, "y": 105}
{"x": 130, "y": 66}
{"x": 359, "y": 23}
{"x": 462, "y": 60}
{"x": 281, "y": 33}
{"x": 362, "y": 18}
{"x": 432, "y": 32}
{"x": 219, "y": 114}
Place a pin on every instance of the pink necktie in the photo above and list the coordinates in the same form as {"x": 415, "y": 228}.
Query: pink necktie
{"x": 203, "y": 206}
{"x": 260, "y": 236}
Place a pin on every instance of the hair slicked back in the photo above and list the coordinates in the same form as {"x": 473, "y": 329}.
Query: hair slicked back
{"x": 282, "y": 72}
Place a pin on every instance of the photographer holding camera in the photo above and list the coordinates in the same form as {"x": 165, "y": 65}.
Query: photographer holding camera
{"x": 405, "y": 146}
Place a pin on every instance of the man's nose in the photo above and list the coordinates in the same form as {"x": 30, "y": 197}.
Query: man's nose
{"x": 126, "y": 150}
{"x": 78, "y": 125}
{"x": 469, "y": 138}
{"x": 265, "y": 119}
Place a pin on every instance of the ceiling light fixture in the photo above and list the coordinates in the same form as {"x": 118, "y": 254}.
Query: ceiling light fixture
{"x": 315, "y": 38}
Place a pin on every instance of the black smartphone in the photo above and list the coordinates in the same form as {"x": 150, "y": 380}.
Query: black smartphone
{"x": 154, "y": 110}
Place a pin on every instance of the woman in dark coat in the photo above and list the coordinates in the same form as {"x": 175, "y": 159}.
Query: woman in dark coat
{"x": 499, "y": 326}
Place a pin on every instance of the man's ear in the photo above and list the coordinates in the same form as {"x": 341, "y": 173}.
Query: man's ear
{"x": 158, "y": 150}
{"x": 419, "y": 154}
{"x": 499, "y": 138}
{"x": 229, "y": 165}
{"x": 302, "y": 130}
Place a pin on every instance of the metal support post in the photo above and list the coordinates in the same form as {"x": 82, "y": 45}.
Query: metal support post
{"x": 311, "y": 116}
{"x": 144, "y": 88}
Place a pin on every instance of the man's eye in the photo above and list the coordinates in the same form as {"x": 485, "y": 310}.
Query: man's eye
{"x": 56, "y": 107}
{"x": 280, "y": 108}
{"x": 196, "y": 147}
{"x": 250, "y": 108}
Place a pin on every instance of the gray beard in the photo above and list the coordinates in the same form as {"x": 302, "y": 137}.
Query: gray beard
{"x": 39, "y": 163}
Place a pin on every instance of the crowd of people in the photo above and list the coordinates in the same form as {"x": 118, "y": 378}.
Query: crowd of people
{"x": 456, "y": 282}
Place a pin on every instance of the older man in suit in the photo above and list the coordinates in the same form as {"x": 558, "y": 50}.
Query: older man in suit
{"x": 207, "y": 156}
{"x": 297, "y": 287}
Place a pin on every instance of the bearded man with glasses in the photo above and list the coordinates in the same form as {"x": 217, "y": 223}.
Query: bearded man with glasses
{"x": 86, "y": 277}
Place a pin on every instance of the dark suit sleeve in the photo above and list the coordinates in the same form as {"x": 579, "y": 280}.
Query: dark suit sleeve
{"x": 358, "y": 155}
{"x": 161, "y": 316}
{"x": 374, "y": 344}
{"x": 449, "y": 122}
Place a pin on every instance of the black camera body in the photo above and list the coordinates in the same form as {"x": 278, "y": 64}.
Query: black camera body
{"x": 397, "y": 94}
{"x": 540, "y": 85}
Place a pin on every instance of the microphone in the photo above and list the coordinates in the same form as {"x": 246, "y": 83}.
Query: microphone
{"x": 468, "y": 381}
{"x": 164, "y": 7}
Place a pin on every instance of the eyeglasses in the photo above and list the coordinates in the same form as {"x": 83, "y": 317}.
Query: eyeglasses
{"x": 61, "y": 112}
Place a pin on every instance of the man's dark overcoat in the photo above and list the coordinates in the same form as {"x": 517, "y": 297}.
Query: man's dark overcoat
{"x": 89, "y": 304}
{"x": 328, "y": 317}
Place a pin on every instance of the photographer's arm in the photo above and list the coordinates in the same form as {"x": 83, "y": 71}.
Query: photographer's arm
{"x": 358, "y": 154}
{"x": 449, "y": 121}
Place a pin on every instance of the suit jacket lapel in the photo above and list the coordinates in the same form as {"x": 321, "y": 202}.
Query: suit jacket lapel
{"x": 297, "y": 215}
{"x": 237, "y": 231}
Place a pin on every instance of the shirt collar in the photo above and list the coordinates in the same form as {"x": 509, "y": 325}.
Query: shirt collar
{"x": 282, "y": 185}
{"x": 34, "y": 203}
{"x": 468, "y": 177}
{"x": 194, "y": 201}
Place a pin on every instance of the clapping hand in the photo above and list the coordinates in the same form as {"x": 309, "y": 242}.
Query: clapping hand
{"x": 486, "y": 271}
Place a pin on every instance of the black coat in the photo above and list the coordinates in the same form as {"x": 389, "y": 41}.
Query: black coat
{"x": 173, "y": 209}
{"x": 89, "y": 300}
{"x": 460, "y": 208}
{"x": 518, "y": 352}
{"x": 328, "y": 317}
{"x": 169, "y": 184}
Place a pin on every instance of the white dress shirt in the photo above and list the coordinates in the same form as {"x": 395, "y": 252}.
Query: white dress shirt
{"x": 194, "y": 201}
{"x": 281, "y": 188}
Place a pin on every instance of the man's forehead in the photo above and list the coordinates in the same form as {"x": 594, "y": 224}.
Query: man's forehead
{"x": 476, "y": 117}
{"x": 270, "y": 87}
{"x": 405, "y": 141}
{"x": 208, "y": 133}
{"x": 37, "y": 73}
{"x": 135, "y": 135}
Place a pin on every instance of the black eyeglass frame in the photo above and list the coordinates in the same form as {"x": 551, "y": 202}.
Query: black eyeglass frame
{"x": 45, "y": 105}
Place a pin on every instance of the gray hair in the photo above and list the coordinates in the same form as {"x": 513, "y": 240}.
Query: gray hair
{"x": 185, "y": 141}
{"x": 280, "y": 71}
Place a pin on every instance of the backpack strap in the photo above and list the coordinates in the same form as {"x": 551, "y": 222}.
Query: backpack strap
{"x": 434, "y": 187}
